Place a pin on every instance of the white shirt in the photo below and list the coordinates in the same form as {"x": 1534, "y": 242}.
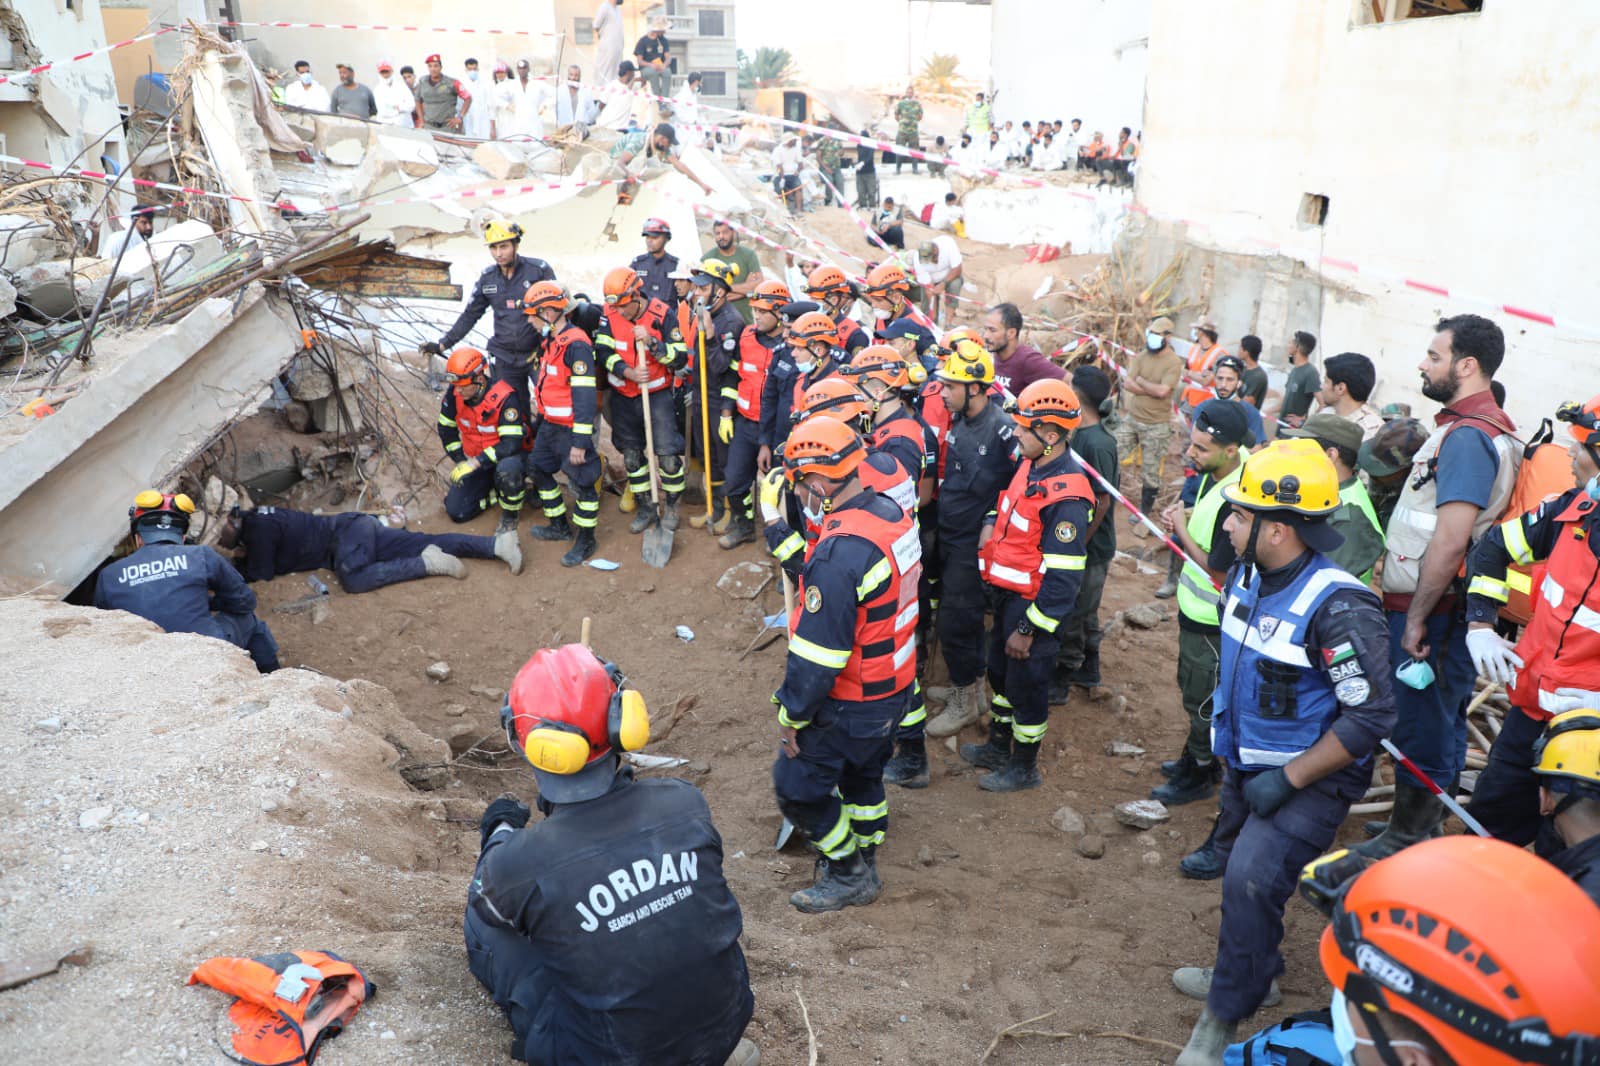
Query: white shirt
{"x": 995, "y": 158}
{"x": 395, "y": 101}
{"x": 945, "y": 216}
{"x": 586, "y": 110}
{"x": 786, "y": 158}
{"x": 932, "y": 273}
{"x": 528, "y": 102}
{"x": 311, "y": 97}
{"x": 504, "y": 97}
{"x": 475, "y": 123}
{"x": 1046, "y": 156}
{"x": 113, "y": 242}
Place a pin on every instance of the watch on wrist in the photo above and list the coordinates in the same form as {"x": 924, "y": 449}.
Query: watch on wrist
{"x": 1024, "y": 629}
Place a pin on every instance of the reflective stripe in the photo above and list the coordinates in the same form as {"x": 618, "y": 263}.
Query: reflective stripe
{"x": 904, "y": 652}
{"x": 1281, "y": 646}
{"x": 788, "y": 546}
{"x": 867, "y": 814}
{"x": 1320, "y": 581}
{"x": 829, "y": 658}
{"x": 1551, "y": 592}
{"x": 511, "y": 431}
{"x": 582, "y": 429}
{"x": 880, "y": 572}
{"x": 744, "y": 404}
{"x": 1263, "y": 757}
{"x": 1487, "y": 587}
{"x": 999, "y": 700}
{"x": 785, "y": 720}
{"x": 1423, "y": 521}
{"x": 1002, "y": 572}
{"x": 838, "y": 843}
{"x": 1205, "y": 593}
{"x": 1018, "y": 522}
{"x": 446, "y": 420}
{"x": 1516, "y": 541}
{"x": 1040, "y": 620}
{"x": 1065, "y": 562}
{"x": 907, "y": 617}
{"x": 558, "y": 412}
{"x": 1028, "y": 734}
{"x": 917, "y": 714}
{"x": 1519, "y": 581}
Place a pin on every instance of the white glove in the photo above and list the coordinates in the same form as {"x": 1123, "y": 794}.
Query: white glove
{"x": 1573, "y": 699}
{"x": 1492, "y": 656}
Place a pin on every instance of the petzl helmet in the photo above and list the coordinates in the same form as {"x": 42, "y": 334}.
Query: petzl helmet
{"x": 885, "y": 278}
{"x": 879, "y": 362}
{"x": 160, "y": 516}
{"x": 770, "y": 295}
{"x": 837, "y": 398}
{"x": 656, "y": 227}
{"x": 824, "y": 446}
{"x": 543, "y": 294}
{"x": 1049, "y": 403}
{"x": 827, "y": 280}
{"x": 813, "y": 326}
{"x": 566, "y": 711}
{"x": 497, "y": 230}
{"x": 621, "y": 284}
{"x": 968, "y": 363}
{"x": 1567, "y": 756}
{"x": 463, "y": 365}
{"x": 1293, "y": 475}
{"x": 1425, "y": 935}
{"x": 960, "y": 333}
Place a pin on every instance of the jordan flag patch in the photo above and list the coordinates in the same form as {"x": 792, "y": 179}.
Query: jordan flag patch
{"x": 1338, "y": 653}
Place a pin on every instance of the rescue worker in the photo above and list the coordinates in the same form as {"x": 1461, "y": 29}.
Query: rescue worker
{"x": 183, "y": 588}
{"x": 1214, "y": 445}
{"x": 1385, "y": 460}
{"x": 739, "y": 427}
{"x": 888, "y": 291}
{"x": 1555, "y": 666}
{"x": 851, "y": 662}
{"x": 719, "y": 325}
{"x": 1428, "y": 970}
{"x": 481, "y": 428}
{"x": 1303, "y": 698}
{"x": 499, "y": 290}
{"x": 829, "y": 287}
{"x": 564, "y": 439}
{"x": 635, "y": 343}
{"x": 655, "y": 264}
{"x": 1461, "y": 481}
{"x": 1568, "y": 772}
{"x": 813, "y": 356}
{"x": 606, "y": 932}
{"x": 1032, "y": 551}
{"x": 782, "y": 373}
{"x": 980, "y": 460}
{"x": 1200, "y": 365}
{"x": 366, "y": 554}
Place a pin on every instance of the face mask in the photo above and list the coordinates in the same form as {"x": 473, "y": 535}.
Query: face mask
{"x": 880, "y": 314}
{"x": 1344, "y": 1036}
{"x": 1592, "y": 489}
{"x": 804, "y": 361}
{"x": 305, "y": 79}
{"x": 816, "y": 516}
{"x": 472, "y": 75}
{"x": 1153, "y": 341}
{"x": 1194, "y": 334}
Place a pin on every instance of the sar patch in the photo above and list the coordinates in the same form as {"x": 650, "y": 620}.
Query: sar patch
{"x": 580, "y": 367}
{"x": 813, "y": 600}
{"x": 1345, "y": 671}
{"x": 1338, "y": 653}
{"x": 1353, "y": 691}
{"x": 1066, "y": 532}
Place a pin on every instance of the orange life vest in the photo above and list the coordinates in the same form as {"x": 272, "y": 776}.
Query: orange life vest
{"x": 847, "y": 329}
{"x": 1013, "y": 559}
{"x": 630, "y": 337}
{"x": 287, "y": 1004}
{"x": 480, "y": 424}
{"x": 884, "y": 659}
{"x": 686, "y": 333}
{"x": 1561, "y": 646}
{"x": 555, "y": 377}
{"x": 1198, "y": 363}
{"x": 754, "y": 358}
{"x": 883, "y": 473}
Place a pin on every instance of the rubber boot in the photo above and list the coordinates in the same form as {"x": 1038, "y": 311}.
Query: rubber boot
{"x": 740, "y": 531}
{"x": 960, "y": 711}
{"x": 436, "y": 562}
{"x": 1147, "y": 502}
{"x": 1209, "y": 1040}
{"x": 1416, "y": 813}
{"x": 1022, "y": 772}
{"x": 1173, "y": 767}
{"x": 1198, "y": 782}
{"x": 1169, "y": 587}
{"x": 669, "y": 513}
{"x": 626, "y": 503}
{"x": 1195, "y": 982}
{"x": 909, "y": 767}
{"x": 506, "y": 547}
{"x": 995, "y": 752}
{"x": 1203, "y": 863}
{"x": 644, "y": 517}
{"x": 847, "y": 882}
{"x": 582, "y": 548}
{"x": 558, "y": 528}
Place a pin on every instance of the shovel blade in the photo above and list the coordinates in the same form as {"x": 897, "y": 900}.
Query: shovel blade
{"x": 657, "y": 546}
{"x": 785, "y": 831}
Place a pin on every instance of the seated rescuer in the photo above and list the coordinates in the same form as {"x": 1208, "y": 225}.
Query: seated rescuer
{"x": 1303, "y": 697}
{"x": 606, "y": 932}
{"x": 177, "y": 585}
{"x": 482, "y": 428}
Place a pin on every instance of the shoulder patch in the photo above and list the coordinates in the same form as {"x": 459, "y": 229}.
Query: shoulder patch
{"x": 1066, "y": 532}
{"x": 1353, "y": 691}
{"x": 813, "y": 600}
{"x": 677, "y": 334}
{"x": 580, "y": 367}
{"x": 511, "y": 413}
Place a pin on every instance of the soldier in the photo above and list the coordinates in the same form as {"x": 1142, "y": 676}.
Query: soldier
{"x": 907, "y": 115}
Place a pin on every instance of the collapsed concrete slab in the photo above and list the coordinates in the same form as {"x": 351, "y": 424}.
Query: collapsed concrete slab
{"x": 24, "y": 241}
{"x": 501, "y": 160}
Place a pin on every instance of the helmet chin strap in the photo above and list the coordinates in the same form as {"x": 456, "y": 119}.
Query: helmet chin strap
{"x": 1248, "y": 556}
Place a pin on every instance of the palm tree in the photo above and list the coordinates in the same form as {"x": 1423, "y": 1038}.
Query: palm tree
{"x": 938, "y": 73}
{"x": 768, "y": 68}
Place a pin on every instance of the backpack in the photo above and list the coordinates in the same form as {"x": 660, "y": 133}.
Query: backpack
{"x": 1304, "y": 1039}
{"x": 1546, "y": 472}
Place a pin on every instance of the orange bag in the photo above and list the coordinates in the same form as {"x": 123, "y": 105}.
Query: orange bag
{"x": 1546, "y": 473}
{"x": 287, "y": 1003}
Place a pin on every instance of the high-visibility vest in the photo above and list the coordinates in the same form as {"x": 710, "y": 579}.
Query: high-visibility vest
{"x": 1198, "y": 363}
{"x": 555, "y": 378}
{"x": 480, "y": 423}
{"x": 287, "y": 1004}
{"x": 883, "y": 473}
{"x": 1013, "y": 558}
{"x": 1560, "y": 648}
{"x": 1355, "y": 494}
{"x": 634, "y": 342}
{"x": 754, "y": 358}
{"x": 1197, "y": 596}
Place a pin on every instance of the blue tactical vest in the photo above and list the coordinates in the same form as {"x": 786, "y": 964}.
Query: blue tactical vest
{"x": 1272, "y": 703}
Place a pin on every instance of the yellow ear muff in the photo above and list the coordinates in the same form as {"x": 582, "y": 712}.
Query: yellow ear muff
{"x": 147, "y": 499}
{"x": 633, "y": 732}
{"x": 557, "y": 751}
{"x": 917, "y": 373}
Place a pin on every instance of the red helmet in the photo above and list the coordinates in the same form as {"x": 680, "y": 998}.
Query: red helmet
{"x": 567, "y": 710}
{"x": 621, "y": 285}
{"x": 656, "y": 227}
{"x": 463, "y": 365}
{"x": 154, "y": 512}
{"x": 827, "y": 280}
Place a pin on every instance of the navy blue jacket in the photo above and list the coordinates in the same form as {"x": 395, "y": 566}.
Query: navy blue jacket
{"x": 176, "y": 586}
{"x": 280, "y": 541}
{"x": 514, "y": 337}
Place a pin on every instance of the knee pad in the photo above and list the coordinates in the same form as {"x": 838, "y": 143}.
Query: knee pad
{"x": 508, "y": 477}
{"x": 633, "y": 458}
{"x": 670, "y": 464}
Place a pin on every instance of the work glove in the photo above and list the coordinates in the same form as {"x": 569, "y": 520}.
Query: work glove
{"x": 771, "y": 494}
{"x": 1266, "y": 792}
{"x": 725, "y": 428}
{"x": 461, "y": 470}
{"x": 1574, "y": 699}
{"x": 504, "y": 811}
{"x": 1492, "y": 655}
{"x": 431, "y": 348}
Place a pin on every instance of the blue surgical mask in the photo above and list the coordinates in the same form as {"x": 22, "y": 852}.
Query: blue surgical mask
{"x": 305, "y": 79}
{"x": 1415, "y": 673}
{"x": 1153, "y": 340}
{"x": 472, "y": 75}
{"x": 1592, "y": 489}
{"x": 816, "y": 516}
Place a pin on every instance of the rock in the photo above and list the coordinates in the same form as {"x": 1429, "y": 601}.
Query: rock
{"x": 94, "y": 818}
{"x": 48, "y": 725}
{"x": 1142, "y": 814}
{"x": 498, "y": 695}
{"x": 1091, "y": 846}
{"x": 1067, "y": 820}
{"x": 744, "y": 580}
{"x": 1123, "y": 748}
{"x": 925, "y": 855}
{"x": 320, "y": 612}
{"x": 268, "y": 806}
{"x": 503, "y": 161}
{"x": 462, "y": 736}
{"x": 439, "y": 671}
{"x": 455, "y": 710}
{"x": 259, "y": 845}
{"x": 1151, "y": 858}
{"x": 1144, "y": 616}
{"x": 8, "y": 298}
{"x": 25, "y": 241}
{"x": 245, "y": 710}
{"x": 1125, "y": 563}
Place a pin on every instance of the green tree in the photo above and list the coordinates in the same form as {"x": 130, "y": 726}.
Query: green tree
{"x": 938, "y": 73}
{"x": 769, "y": 67}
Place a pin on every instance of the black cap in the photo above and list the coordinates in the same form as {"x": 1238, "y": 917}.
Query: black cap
{"x": 1224, "y": 420}
{"x": 790, "y": 312}
{"x": 905, "y": 327}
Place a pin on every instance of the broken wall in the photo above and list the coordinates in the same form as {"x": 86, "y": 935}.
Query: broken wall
{"x": 68, "y": 113}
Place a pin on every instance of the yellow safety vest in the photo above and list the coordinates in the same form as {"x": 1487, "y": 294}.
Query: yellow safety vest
{"x": 1197, "y": 596}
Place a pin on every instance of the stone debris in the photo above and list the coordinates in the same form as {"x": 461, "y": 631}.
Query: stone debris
{"x": 94, "y": 818}
{"x": 744, "y": 581}
{"x": 1144, "y": 616}
{"x": 1123, "y": 748}
{"x": 1142, "y": 814}
{"x": 439, "y": 671}
{"x": 48, "y": 725}
{"x": 1068, "y": 820}
{"x": 1091, "y": 846}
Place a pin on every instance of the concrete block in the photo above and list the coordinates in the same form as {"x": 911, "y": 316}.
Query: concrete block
{"x": 53, "y": 288}
{"x": 25, "y": 241}
{"x": 399, "y": 150}
{"x": 8, "y": 298}
{"x": 332, "y": 416}
{"x": 139, "y": 264}
{"x": 503, "y": 161}
{"x": 344, "y": 145}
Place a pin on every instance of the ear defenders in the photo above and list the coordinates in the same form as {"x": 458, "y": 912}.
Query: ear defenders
{"x": 563, "y": 748}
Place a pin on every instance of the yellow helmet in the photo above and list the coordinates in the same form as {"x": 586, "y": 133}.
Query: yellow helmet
{"x": 968, "y": 362}
{"x": 1287, "y": 475}
{"x": 497, "y": 230}
{"x": 711, "y": 269}
{"x": 1567, "y": 756}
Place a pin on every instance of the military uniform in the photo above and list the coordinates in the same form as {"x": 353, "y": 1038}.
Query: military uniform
{"x": 364, "y": 552}
{"x": 830, "y": 162}
{"x": 494, "y": 429}
{"x": 907, "y": 116}
{"x": 515, "y": 337}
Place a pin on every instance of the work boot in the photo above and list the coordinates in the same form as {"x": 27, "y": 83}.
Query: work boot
{"x": 1195, "y": 982}
{"x": 626, "y": 503}
{"x": 1060, "y": 692}
{"x": 558, "y": 528}
{"x": 1203, "y": 863}
{"x": 1171, "y": 768}
{"x": 644, "y": 517}
{"x": 1147, "y": 502}
{"x": 1209, "y": 1040}
{"x": 1417, "y": 812}
{"x": 960, "y": 711}
{"x": 995, "y": 752}
{"x": 909, "y": 767}
{"x": 718, "y": 518}
{"x": 1169, "y": 587}
{"x": 740, "y": 531}
{"x": 669, "y": 514}
{"x": 1198, "y": 782}
{"x": 746, "y": 1054}
{"x": 1022, "y": 772}
{"x": 506, "y": 547}
{"x": 848, "y": 882}
{"x": 582, "y": 548}
{"x": 436, "y": 562}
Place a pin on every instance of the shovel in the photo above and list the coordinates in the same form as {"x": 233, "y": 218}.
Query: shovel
{"x": 786, "y": 830}
{"x": 657, "y": 546}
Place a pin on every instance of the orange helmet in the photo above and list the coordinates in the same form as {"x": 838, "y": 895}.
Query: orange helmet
{"x": 621, "y": 285}
{"x": 960, "y": 333}
{"x": 813, "y": 326}
{"x": 1425, "y": 935}
{"x": 1048, "y": 403}
{"x": 880, "y": 362}
{"x": 770, "y": 295}
{"x": 463, "y": 365}
{"x": 1584, "y": 419}
{"x": 542, "y": 294}
{"x": 566, "y": 710}
{"x": 886, "y": 278}
{"x": 822, "y": 445}
{"x": 836, "y": 397}
{"x": 826, "y": 280}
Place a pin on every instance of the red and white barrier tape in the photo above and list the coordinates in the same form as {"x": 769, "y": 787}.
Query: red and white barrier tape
{"x": 1171, "y": 544}
{"x": 42, "y": 67}
{"x": 382, "y": 26}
